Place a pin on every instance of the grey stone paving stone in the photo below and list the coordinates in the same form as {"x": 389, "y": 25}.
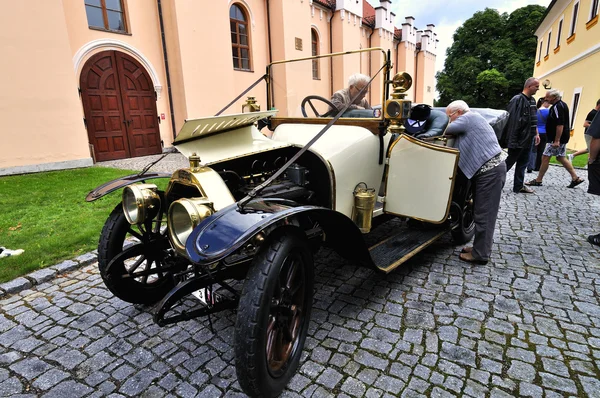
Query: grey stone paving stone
{"x": 10, "y": 387}
{"x": 68, "y": 388}
{"x": 66, "y": 266}
{"x": 42, "y": 275}
{"x": 353, "y": 387}
{"x": 16, "y": 285}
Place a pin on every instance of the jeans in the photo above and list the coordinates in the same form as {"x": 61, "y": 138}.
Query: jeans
{"x": 520, "y": 156}
{"x": 532, "y": 156}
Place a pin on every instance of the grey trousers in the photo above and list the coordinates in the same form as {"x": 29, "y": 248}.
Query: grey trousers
{"x": 488, "y": 189}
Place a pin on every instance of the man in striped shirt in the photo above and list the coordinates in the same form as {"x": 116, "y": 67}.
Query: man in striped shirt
{"x": 558, "y": 131}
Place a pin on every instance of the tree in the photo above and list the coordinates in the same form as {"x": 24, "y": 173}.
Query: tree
{"x": 491, "y": 57}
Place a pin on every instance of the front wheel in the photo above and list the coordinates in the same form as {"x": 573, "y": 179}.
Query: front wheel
{"x": 137, "y": 275}
{"x": 273, "y": 315}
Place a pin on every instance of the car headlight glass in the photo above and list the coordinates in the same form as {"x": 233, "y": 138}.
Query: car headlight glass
{"x": 184, "y": 216}
{"x": 140, "y": 202}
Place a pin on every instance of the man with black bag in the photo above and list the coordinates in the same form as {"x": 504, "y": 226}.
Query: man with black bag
{"x": 521, "y": 128}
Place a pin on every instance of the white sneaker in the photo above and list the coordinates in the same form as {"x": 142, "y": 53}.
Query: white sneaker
{"x": 570, "y": 157}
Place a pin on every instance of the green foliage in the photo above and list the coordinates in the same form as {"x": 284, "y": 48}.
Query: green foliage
{"x": 491, "y": 57}
{"x": 46, "y": 215}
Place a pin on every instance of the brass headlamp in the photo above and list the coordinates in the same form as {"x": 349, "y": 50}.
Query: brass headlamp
{"x": 184, "y": 216}
{"x": 140, "y": 202}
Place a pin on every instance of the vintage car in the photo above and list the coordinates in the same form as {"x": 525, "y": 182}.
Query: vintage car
{"x": 239, "y": 228}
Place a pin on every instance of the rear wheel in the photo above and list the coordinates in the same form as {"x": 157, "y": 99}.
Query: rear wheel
{"x": 273, "y": 315}
{"x": 465, "y": 221}
{"x": 141, "y": 253}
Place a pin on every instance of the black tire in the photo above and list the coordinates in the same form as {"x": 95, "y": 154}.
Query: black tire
{"x": 465, "y": 229}
{"x": 140, "y": 290}
{"x": 266, "y": 357}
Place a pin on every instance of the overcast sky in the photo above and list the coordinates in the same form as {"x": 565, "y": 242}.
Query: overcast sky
{"x": 449, "y": 15}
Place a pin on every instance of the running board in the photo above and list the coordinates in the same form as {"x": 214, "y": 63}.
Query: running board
{"x": 390, "y": 253}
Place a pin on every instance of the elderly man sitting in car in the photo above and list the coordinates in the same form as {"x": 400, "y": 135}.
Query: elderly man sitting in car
{"x": 356, "y": 82}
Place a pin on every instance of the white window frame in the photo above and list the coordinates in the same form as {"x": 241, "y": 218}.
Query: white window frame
{"x": 560, "y": 26}
{"x": 574, "y": 15}
{"x": 549, "y": 41}
{"x": 575, "y": 111}
{"x": 540, "y": 52}
{"x": 597, "y": 10}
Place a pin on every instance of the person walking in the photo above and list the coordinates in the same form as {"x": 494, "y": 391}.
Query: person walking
{"x": 594, "y": 166}
{"x": 482, "y": 161}
{"x": 535, "y": 156}
{"x": 521, "y": 128}
{"x": 558, "y": 134}
{"x": 588, "y": 138}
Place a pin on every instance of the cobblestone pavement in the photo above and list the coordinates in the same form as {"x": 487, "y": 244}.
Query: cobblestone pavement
{"x": 526, "y": 324}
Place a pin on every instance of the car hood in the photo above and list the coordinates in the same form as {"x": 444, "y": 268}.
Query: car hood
{"x": 219, "y": 138}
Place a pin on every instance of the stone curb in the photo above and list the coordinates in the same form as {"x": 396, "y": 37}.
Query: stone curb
{"x": 44, "y": 275}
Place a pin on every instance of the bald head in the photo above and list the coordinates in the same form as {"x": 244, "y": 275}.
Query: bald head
{"x": 531, "y": 86}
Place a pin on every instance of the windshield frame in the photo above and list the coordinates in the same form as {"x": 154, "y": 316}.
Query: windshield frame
{"x": 384, "y": 92}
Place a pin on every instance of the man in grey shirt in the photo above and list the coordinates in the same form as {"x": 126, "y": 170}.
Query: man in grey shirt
{"x": 482, "y": 162}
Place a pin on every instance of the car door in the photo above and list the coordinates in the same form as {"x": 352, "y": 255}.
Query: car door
{"x": 420, "y": 179}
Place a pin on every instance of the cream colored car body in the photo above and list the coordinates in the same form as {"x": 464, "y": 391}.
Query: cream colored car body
{"x": 419, "y": 180}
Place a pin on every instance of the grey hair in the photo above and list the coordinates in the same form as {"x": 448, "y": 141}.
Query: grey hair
{"x": 554, "y": 93}
{"x": 529, "y": 82}
{"x": 358, "y": 78}
{"x": 458, "y": 105}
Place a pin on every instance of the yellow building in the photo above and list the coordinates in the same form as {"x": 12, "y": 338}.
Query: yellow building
{"x": 568, "y": 58}
{"x": 93, "y": 80}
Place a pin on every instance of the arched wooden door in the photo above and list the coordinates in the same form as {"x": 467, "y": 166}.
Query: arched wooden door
{"x": 120, "y": 107}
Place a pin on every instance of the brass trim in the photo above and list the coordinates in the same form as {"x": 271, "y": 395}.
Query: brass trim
{"x": 331, "y": 55}
{"x": 591, "y": 22}
{"x": 453, "y": 178}
{"x": 401, "y": 260}
{"x": 571, "y": 38}
{"x": 546, "y": 57}
{"x": 557, "y": 49}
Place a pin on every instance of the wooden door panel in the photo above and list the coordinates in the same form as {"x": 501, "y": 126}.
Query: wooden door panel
{"x": 139, "y": 106}
{"x": 120, "y": 107}
{"x": 103, "y": 108}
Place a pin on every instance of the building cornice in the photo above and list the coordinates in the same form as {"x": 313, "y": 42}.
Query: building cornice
{"x": 589, "y": 52}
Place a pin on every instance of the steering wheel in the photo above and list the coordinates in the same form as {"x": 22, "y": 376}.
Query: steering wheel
{"x": 332, "y": 109}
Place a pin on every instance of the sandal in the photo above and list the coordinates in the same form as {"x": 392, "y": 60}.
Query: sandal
{"x": 468, "y": 257}
{"x": 594, "y": 239}
{"x": 534, "y": 183}
{"x": 466, "y": 249}
{"x": 576, "y": 182}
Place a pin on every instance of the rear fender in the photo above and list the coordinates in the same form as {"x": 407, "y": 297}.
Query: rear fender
{"x": 228, "y": 230}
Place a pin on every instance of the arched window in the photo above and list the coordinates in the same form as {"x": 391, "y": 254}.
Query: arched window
{"x": 240, "y": 38}
{"x": 315, "y": 51}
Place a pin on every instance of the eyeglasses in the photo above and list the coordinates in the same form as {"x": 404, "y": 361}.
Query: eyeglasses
{"x": 452, "y": 114}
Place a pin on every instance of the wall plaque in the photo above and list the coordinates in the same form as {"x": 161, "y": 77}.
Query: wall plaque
{"x": 298, "y": 44}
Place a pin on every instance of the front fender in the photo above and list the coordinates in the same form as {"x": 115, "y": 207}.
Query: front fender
{"x": 226, "y": 231}
{"x": 113, "y": 185}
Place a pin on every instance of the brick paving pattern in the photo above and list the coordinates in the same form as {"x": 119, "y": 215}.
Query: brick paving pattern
{"x": 527, "y": 324}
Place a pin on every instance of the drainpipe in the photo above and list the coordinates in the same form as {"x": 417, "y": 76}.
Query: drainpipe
{"x": 166, "y": 61}
{"x": 269, "y": 31}
{"x": 330, "y": 51}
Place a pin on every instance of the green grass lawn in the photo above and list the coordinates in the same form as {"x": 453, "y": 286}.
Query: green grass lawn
{"x": 578, "y": 161}
{"x": 46, "y": 215}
